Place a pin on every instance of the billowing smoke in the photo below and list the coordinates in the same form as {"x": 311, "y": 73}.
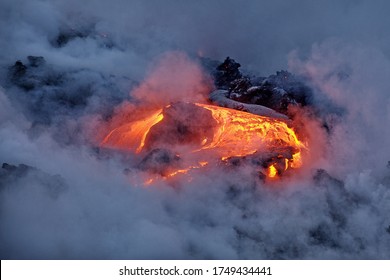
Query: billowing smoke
{"x": 174, "y": 78}
{"x": 68, "y": 70}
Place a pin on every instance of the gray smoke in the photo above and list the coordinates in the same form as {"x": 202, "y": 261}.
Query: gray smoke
{"x": 61, "y": 198}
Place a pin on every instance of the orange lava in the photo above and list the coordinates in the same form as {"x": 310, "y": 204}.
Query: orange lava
{"x": 132, "y": 136}
{"x": 272, "y": 171}
{"x": 240, "y": 133}
{"x": 233, "y": 134}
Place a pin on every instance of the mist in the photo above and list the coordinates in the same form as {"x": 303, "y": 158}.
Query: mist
{"x": 61, "y": 197}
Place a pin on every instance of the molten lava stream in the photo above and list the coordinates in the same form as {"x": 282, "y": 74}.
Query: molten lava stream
{"x": 234, "y": 134}
{"x": 132, "y": 136}
{"x": 241, "y": 134}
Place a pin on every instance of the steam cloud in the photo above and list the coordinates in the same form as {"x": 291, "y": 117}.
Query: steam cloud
{"x": 62, "y": 199}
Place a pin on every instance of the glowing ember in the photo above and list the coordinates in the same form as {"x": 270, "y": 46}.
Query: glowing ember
{"x": 272, "y": 171}
{"x": 228, "y": 133}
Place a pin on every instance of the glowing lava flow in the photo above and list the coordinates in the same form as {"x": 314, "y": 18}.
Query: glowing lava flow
{"x": 240, "y": 133}
{"x": 132, "y": 136}
{"x": 235, "y": 134}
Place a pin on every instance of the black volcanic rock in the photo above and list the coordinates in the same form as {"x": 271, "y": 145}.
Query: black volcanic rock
{"x": 226, "y": 73}
{"x": 88, "y": 31}
{"x": 277, "y": 92}
{"x": 67, "y": 34}
{"x": 36, "y": 61}
{"x": 323, "y": 179}
{"x": 17, "y": 72}
{"x": 32, "y": 75}
{"x": 17, "y": 175}
{"x": 240, "y": 86}
{"x": 160, "y": 161}
{"x": 44, "y": 91}
{"x": 18, "y": 171}
{"x": 323, "y": 235}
